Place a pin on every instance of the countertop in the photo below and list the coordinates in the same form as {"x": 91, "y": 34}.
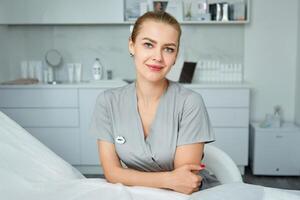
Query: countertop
{"x": 119, "y": 83}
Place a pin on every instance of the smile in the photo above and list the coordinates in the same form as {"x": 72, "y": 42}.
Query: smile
{"x": 155, "y": 68}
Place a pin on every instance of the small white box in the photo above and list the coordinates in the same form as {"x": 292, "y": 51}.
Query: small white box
{"x": 275, "y": 151}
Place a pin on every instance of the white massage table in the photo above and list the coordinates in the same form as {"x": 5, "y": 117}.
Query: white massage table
{"x": 29, "y": 170}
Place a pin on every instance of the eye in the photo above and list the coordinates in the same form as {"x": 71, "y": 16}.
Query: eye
{"x": 148, "y": 45}
{"x": 169, "y": 50}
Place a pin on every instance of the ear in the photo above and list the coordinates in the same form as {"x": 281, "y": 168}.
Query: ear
{"x": 131, "y": 46}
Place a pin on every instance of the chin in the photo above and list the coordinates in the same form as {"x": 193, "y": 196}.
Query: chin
{"x": 155, "y": 78}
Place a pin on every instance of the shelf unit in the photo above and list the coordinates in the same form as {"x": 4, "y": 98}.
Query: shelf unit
{"x": 185, "y": 22}
{"x": 57, "y": 12}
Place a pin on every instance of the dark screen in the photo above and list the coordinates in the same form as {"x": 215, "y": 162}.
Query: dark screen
{"x": 187, "y": 72}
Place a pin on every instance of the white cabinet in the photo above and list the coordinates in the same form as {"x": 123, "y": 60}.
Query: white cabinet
{"x": 275, "y": 151}
{"x": 228, "y": 109}
{"x": 51, "y": 115}
{"x": 65, "y": 142}
{"x": 60, "y": 117}
{"x": 77, "y": 12}
{"x": 61, "y": 11}
{"x": 89, "y": 150}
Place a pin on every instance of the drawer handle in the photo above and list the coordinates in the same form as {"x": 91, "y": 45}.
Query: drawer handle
{"x": 279, "y": 136}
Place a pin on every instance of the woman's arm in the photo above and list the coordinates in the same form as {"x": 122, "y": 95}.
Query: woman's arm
{"x": 181, "y": 180}
{"x": 188, "y": 154}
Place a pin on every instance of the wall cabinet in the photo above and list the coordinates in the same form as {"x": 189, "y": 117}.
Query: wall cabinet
{"x": 61, "y": 117}
{"x": 61, "y": 12}
{"x": 15, "y": 12}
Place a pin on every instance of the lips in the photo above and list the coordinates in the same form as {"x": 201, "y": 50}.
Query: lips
{"x": 155, "y": 68}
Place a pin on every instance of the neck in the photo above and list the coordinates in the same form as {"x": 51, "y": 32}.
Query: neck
{"x": 149, "y": 92}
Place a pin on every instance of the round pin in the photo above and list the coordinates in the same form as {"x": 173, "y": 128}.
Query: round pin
{"x": 120, "y": 140}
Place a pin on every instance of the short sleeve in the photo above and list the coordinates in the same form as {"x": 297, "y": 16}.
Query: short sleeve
{"x": 101, "y": 125}
{"x": 194, "y": 125}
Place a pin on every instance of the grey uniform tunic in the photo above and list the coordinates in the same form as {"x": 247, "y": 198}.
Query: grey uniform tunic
{"x": 181, "y": 118}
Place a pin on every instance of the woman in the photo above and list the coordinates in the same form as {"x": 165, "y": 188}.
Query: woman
{"x": 152, "y": 132}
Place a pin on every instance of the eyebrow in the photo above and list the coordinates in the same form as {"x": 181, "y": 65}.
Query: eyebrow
{"x": 153, "y": 41}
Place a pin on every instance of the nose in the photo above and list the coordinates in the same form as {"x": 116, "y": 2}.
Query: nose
{"x": 157, "y": 56}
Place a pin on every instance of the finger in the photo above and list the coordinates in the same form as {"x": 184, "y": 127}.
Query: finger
{"x": 194, "y": 167}
{"x": 200, "y": 178}
{"x": 197, "y": 179}
{"x": 196, "y": 189}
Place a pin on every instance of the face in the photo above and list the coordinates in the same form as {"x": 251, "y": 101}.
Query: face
{"x": 155, "y": 50}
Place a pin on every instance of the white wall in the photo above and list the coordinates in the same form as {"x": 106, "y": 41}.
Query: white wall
{"x": 270, "y": 56}
{"x": 110, "y": 43}
{"x": 76, "y": 43}
{"x": 4, "y": 65}
{"x": 297, "y": 105}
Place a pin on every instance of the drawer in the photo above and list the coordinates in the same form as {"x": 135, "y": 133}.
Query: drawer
{"x": 234, "y": 141}
{"x": 35, "y": 98}
{"x": 37, "y": 117}
{"x": 229, "y": 117}
{"x": 225, "y": 97}
{"x": 62, "y": 141}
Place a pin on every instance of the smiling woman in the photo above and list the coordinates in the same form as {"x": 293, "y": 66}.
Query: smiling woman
{"x": 156, "y": 48}
{"x": 155, "y": 127}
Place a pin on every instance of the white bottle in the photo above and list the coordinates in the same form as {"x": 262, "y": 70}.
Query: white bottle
{"x": 97, "y": 70}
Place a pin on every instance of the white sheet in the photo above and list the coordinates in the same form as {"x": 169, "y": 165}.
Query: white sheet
{"x": 29, "y": 170}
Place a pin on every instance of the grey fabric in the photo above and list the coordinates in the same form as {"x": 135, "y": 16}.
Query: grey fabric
{"x": 181, "y": 118}
{"x": 208, "y": 180}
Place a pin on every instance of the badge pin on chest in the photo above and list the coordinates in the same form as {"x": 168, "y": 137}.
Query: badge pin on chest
{"x": 120, "y": 140}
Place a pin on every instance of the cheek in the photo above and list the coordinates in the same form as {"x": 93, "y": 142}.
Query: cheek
{"x": 170, "y": 59}
{"x": 141, "y": 56}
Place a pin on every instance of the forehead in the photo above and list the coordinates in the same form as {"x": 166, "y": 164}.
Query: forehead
{"x": 158, "y": 31}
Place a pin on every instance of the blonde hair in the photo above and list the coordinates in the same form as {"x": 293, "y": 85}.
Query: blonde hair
{"x": 159, "y": 16}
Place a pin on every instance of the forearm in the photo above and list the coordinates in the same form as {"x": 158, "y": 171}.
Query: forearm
{"x": 132, "y": 177}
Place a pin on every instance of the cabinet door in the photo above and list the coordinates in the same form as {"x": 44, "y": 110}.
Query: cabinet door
{"x": 61, "y": 11}
{"x": 276, "y": 153}
{"x": 63, "y": 141}
{"x": 89, "y": 150}
{"x": 234, "y": 141}
{"x": 43, "y": 117}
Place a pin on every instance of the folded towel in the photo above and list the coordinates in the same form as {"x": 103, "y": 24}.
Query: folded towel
{"x": 26, "y": 81}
